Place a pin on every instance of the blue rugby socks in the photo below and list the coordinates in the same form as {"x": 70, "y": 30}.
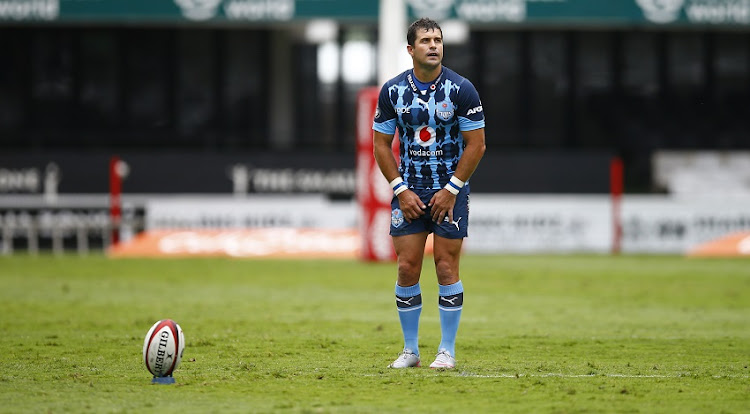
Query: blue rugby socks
{"x": 450, "y": 303}
{"x": 409, "y": 304}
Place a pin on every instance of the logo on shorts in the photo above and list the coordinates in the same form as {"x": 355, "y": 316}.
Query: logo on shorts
{"x": 454, "y": 222}
{"x": 397, "y": 217}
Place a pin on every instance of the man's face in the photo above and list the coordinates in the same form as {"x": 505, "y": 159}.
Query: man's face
{"x": 428, "y": 48}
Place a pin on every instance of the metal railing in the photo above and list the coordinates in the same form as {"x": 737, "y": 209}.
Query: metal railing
{"x": 80, "y": 224}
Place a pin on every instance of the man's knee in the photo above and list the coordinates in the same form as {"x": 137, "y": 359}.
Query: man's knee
{"x": 409, "y": 267}
{"x": 446, "y": 268}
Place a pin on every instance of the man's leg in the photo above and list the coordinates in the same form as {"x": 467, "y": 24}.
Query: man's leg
{"x": 450, "y": 300}
{"x": 410, "y": 252}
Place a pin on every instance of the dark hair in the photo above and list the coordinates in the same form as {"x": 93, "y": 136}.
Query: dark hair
{"x": 423, "y": 23}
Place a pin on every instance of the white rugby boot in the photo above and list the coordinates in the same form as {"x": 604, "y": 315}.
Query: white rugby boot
{"x": 443, "y": 360}
{"x": 407, "y": 359}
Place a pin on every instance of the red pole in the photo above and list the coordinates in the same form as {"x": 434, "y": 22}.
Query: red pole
{"x": 616, "y": 184}
{"x": 115, "y": 202}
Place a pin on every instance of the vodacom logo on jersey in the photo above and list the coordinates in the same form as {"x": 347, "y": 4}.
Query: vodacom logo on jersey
{"x": 424, "y": 136}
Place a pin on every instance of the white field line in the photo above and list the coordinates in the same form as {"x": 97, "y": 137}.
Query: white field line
{"x": 559, "y": 375}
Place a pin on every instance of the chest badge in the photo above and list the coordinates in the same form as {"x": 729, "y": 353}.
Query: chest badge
{"x": 444, "y": 111}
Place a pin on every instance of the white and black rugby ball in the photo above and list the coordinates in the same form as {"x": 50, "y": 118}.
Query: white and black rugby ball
{"x": 163, "y": 348}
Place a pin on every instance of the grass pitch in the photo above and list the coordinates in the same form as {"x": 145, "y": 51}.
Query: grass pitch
{"x": 538, "y": 334}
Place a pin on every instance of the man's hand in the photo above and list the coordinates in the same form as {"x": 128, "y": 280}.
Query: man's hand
{"x": 410, "y": 205}
{"x": 441, "y": 206}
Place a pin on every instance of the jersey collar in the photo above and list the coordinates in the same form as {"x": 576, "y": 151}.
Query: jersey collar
{"x": 433, "y": 85}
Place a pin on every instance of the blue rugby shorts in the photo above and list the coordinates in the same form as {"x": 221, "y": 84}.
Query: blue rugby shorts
{"x": 450, "y": 230}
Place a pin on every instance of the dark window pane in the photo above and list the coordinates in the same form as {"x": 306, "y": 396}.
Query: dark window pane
{"x": 594, "y": 89}
{"x": 99, "y": 80}
{"x": 307, "y": 113}
{"x": 461, "y": 58}
{"x": 685, "y": 109}
{"x": 640, "y": 65}
{"x": 549, "y": 89}
{"x": 639, "y": 119}
{"x": 500, "y": 75}
{"x": 685, "y": 63}
{"x": 149, "y": 80}
{"x": 52, "y": 79}
{"x": 195, "y": 87}
{"x": 731, "y": 112}
{"x": 13, "y": 80}
{"x": 245, "y": 86}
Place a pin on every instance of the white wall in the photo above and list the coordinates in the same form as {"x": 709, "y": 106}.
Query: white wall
{"x": 498, "y": 223}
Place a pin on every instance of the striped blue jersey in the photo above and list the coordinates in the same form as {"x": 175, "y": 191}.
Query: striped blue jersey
{"x": 429, "y": 124}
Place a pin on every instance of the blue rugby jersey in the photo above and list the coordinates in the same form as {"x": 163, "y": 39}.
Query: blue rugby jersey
{"x": 429, "y": 124}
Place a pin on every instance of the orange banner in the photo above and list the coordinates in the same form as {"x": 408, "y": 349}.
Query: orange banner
{"x": 265, "y": 242}
{"x": 733, "y": 245}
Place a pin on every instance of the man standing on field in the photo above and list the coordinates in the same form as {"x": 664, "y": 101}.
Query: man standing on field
{"x": 440, "y": 124}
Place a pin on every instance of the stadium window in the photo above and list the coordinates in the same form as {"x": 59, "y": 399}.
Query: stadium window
{"x": 358, "y": 70}
{"x": 343, "y": 66}
{"x": 196, "y": 86}
{"x": 14, "y": 83}
{"x": 594, "y": 100}
{"x": 639, "y": 120}
{"x": 640, "y": 71}
{"x": 499, "y": 82}
{"x": 245, "y": 86}
{"x": 52, "y": 82}
{"x": 149, "y": 83}
{"x": 731, "y": 113}
{"x": 685, "y": 103}
{"x": 550, "y": 88}
{"x": 307, "y": 88}
{"x": 354, "y": 62}
{"x": 99, "y": 91}
{"x": 685, "y": 62}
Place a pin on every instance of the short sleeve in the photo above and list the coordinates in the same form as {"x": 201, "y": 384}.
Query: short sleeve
{"x": 470, "y": 112}
{"x": 385, "y": 115}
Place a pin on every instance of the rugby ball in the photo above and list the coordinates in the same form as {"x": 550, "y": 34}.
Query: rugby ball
{"x": 163, "y": 348}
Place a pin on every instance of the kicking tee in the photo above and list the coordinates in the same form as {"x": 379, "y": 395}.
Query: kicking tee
{"x": 429, "y": 119}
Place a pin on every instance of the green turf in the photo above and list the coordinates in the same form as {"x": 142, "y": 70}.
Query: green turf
{"x": 557, "y": 334}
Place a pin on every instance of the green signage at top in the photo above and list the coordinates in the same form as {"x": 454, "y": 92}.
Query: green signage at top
{"x": 588, "y": 12}
{"x": 186, "y": 10}
{"x": 490, "y": 12}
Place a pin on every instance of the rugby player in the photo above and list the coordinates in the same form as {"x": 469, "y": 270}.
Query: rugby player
{"x": 440, "y": 123}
